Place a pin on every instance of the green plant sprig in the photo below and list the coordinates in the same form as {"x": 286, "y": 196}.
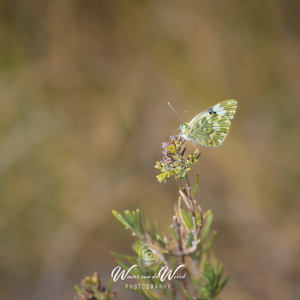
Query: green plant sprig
{"x": 189, "y": 240}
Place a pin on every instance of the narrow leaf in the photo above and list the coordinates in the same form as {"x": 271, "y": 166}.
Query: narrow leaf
{"x": 130, "y": 218}
{"x": 139, "y": 222}
{"x": 211, "y": 242}
{"x": 223, "y": 283}
{"x": 121, "y": 219}
{"x": 196, "y": 186}
{"x": 206, "y": 229}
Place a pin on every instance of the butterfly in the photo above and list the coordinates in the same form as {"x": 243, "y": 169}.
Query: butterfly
{"x": 210, "y": 127}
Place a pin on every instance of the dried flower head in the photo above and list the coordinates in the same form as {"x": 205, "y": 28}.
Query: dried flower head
{"x": 174, "y": 162}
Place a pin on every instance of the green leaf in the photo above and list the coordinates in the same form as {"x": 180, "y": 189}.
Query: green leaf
{"x": 130, "y": 222}
{"x": 144, "y": 271}
{"x": 198, "y": 219}
{"x": 130, "y": 218}
{"x": 110, "y": 286}
{"x": 137, "y": 246}
{"x": 139, "y": 222}
{"x": 188, "y": 296}
{"x": 206, "y": 229}
{"x": 153, "y": 230}
{"x": 223, "y": 283}
{"x": 79, "y": 290}
{"x": 211, "y": 278}
{"x": 160, "y": 241}
{"x": 196, "y": 185}
{"x": 212, "y": 240}
{"x": 216, "y": 266}
{"x": 191, "y": 240}
{"x": 219, "y": 273}
{"x": 198, "y": 286}
{"x": 124, "y": 256}
{"x": 148, "y": 226}
{"x": 123, "y": 265}
{"x": 208, "y": 272}
{"x": 173, "y": 232}
{"x": 187, "y": 218}
{"x": 133, "y": 260}
{"x": 121, "y": 219}
{"x": 133, "y": 271}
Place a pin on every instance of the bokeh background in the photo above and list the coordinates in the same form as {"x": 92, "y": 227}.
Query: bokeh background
{"x": 84, "y": 87}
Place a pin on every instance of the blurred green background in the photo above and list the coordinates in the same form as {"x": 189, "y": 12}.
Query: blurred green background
{"x": 84, "y": 87}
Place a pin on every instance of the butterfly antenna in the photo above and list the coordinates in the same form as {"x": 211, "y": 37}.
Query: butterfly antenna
{"x": 175, "y": 112}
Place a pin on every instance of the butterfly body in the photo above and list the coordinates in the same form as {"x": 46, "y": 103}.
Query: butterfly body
{"x": 210, "y": 128}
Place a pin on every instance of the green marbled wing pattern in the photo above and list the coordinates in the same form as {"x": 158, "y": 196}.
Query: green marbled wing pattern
{"x": 210, "y": 130}
{"x": 228, "y": 106}
{"x": 225, "y": 108}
